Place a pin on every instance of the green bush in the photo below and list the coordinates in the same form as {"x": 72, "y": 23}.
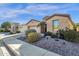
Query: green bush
{"x": 18, "y": 32}
{"x": 2, "y": 30}
{"x": 50, "y": 34}
{"x": 6, "y": 30}
{"x": 60, "y": 34}
{"x": 12, "y": 33}
{"x": 33, "y": 37}
{"x": 69, "y": 35}
{"x": 29, "y": 31}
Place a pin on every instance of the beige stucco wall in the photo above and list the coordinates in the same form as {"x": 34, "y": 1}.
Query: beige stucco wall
{"x": 39, "y": 29}
{"x": 63, "y": 21}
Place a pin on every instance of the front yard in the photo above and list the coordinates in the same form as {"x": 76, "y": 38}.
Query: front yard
{"x": 59, "y": 46}
{"x": 68, "y": 46}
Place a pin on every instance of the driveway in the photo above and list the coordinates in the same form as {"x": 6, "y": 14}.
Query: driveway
{"x": 3, "y": 50}
{"x": 4, "y": 33}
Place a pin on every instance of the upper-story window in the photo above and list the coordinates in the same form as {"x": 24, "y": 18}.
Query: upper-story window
{"x": 55, "y": 24}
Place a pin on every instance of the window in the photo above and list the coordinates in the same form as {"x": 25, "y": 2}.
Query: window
{"x": 55, "y": 24}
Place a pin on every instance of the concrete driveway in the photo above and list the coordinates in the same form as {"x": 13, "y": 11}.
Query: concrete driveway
{"x": 3, "y": 50}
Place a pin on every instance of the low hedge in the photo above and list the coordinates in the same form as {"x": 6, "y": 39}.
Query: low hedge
{"x": 50, "y": 34}
{"x": 2, "y": 30}
{"x": 69, "y": 35}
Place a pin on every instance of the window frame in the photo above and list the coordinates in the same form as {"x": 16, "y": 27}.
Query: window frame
{"x": 57, "y": 24}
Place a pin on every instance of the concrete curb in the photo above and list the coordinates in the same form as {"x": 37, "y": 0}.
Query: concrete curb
{"x": 20, "y": 48}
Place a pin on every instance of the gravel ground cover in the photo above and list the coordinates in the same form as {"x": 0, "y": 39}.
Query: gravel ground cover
{"x": 59, "y": 46}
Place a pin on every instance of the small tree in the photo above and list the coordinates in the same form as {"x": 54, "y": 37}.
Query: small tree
{"x": 6, "y": 25}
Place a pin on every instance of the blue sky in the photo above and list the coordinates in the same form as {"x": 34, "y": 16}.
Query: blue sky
{"x": 23, "y": 12}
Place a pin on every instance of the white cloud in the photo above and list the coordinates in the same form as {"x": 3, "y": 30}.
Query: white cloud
{"x": 42, "y": 7}
{"x": 35, "y": 10}
{"x": 8, "y": 13}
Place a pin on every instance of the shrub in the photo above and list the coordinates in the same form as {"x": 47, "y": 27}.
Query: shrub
{"x": 71, "y": 35}
{"x": 2, "y": 30}
{"x": 54, "y": 36}
{"x": 33, "y": 37}
{"x": 50, "y": 34}
{"x": 18, "y": 32}
{"x": 12, "y": 33}
{"x": 6, "y": 30}
{"x": 60, "y": 34}
{"x": 29, "y": 31}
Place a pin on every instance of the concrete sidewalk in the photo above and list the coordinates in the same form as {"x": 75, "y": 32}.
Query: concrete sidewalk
{"x": 20, "y": 48}
{"x": 3, "y": 50}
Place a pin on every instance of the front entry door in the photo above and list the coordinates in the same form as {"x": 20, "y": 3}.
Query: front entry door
{"x": 44, "y": 28}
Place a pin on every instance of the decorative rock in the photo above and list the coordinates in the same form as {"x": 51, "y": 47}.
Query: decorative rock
{"x": 48, "y": 37}
{"x": 61, "y": 47}
{"x": 64, "y": 43}
{"x": 56, "y": 40}
{"x": 42, "y": 35}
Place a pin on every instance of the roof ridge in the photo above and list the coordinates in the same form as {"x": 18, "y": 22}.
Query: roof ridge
{"x": 32, "y": 20}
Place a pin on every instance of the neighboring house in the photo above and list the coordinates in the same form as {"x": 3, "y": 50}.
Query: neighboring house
{"x": 14, "y": 27}
{"x": 32, "y": 24}
{"x": 23, "y": 28}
